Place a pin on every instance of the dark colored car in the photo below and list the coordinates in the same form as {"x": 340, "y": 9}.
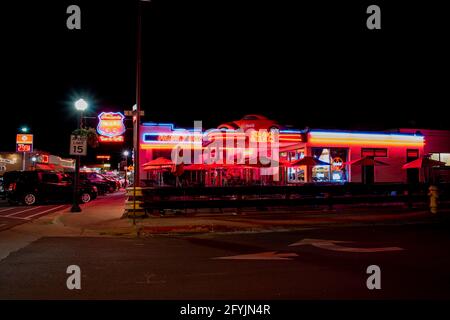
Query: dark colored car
{"x": 30, "y": 187}
{"x": 2, "y": 190}
{"x": 103, "y": 185}
{"x": 112, "y": 179}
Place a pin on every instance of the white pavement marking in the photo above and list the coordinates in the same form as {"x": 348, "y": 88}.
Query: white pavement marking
{"x": 332, "y": 245}
{"x": 36, "y": 214}
{"x": 15, "y": 213}
{"x": 8, "y": 209}
{"x": 16, "y": 218}
{"x": 270, "y": 255}
{"x": 1, "y": 225}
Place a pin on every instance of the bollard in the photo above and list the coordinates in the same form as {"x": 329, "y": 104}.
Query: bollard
{"x": 433, "y": 193}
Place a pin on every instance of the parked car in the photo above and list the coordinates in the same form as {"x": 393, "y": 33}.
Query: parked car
{"x": 103, "y": 185}
{"x": 31, "y": 187}
{"x": 2, "y": 190}
{"x": 112, "y": 179}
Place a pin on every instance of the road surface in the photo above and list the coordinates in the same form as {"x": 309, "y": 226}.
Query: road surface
{"x": 267, "y": 265}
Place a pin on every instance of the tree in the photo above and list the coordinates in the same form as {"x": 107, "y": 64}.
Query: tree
{"x": 91, "y": 133}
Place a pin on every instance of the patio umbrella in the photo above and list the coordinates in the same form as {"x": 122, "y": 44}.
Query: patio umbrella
{"x": 422, "y": 162}
{"x": 367, "y": 164}
{"x": 367, "y": 161}
{"x": 425, "y": 165}
{"x": 158, "y": 163}
{"x": 263, "y": 162}
{"x": 308, "y": 161}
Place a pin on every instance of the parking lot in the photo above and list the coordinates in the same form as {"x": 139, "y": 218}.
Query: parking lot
{"x": 11, "y": 216}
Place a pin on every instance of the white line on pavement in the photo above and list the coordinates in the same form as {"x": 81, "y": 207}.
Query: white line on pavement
{"x": 15, "y": 213}
{"x": 8, "y": 209}
{"x": 36, "y": 214}
{"x": 1, "y": 225}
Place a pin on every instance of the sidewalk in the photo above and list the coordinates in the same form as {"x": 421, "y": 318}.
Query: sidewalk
{"x": 103, "y": 218}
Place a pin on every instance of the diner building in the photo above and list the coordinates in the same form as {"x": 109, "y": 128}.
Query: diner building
{"x": 292, "y": 156}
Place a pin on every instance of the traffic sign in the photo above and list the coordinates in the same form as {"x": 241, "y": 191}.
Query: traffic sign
{"x": 78, "y": 145}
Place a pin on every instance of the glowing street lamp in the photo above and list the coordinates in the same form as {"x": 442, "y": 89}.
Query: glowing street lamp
{"x": 126, "y": 153}
{"x": 81, "y": 105}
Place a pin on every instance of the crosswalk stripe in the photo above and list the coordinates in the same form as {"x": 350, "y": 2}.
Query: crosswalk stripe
{"x": 16, "y": 213}
{"x": 8, "y": 209}
{"x": 36, "y": 214}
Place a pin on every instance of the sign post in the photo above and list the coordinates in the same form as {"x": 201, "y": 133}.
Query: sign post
{"x": 78, "y": 147}
{"x": 24, "y": 143}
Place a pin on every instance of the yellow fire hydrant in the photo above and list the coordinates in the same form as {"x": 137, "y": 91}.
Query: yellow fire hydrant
{"x": 433, "y": 193}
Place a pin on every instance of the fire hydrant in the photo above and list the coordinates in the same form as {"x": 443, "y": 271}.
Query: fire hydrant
{"x": 433, "y": 193}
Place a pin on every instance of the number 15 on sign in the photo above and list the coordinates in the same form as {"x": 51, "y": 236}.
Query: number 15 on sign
{"x": 78, "y": 145}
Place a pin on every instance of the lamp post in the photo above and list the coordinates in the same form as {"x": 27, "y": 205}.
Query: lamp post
{"x": 81, "y": 105}
{"x": 24, "y": 129}
{"x": 126, "y": 153}
{"x": 33, "y": 160}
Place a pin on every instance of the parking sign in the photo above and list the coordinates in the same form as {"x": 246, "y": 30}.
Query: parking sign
{"x": 78, "y": 145}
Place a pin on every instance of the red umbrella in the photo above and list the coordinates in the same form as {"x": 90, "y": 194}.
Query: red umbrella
{"x": 158, "y": 163}
{"x": 308, "y": 161}
{"x": 422, "y": 162}
{"x": 367, "y": 161}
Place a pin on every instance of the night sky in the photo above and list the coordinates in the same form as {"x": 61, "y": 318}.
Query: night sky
{"x": 302, "y": 64}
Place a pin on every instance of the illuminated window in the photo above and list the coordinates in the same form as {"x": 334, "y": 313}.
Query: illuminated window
{"x": 444, "y": 157}
{"x": 374, "y": 152}
{"x": 336, "y": 171}
{"x": 412, "y": 153}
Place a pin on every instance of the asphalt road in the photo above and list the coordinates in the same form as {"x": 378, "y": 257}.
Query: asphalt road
{"x": 238, "y": 266}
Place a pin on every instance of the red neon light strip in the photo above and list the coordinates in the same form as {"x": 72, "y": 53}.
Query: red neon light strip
{"x": 338, "y": 141}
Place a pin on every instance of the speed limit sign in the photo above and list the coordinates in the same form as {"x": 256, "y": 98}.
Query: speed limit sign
{"x": 78, "y": 145}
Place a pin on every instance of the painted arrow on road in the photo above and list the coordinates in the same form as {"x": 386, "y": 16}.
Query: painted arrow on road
{"x": 333, "y": 246}
{"x": 270, "y": 255}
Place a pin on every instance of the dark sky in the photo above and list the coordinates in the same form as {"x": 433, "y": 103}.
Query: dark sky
{"x": 303, "y": 64}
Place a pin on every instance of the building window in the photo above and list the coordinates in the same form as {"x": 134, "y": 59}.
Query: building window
{"x": 412, "y": 153}
{"x": 295, "y": 175}
{"x": 336, "y": 171}
{"x": 443, "y": 157}
{"x": 374, "y": 152}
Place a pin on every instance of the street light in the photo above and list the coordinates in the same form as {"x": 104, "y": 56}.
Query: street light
{"x": 33, "y": 160}
{"x": 81, "y": 105}
{"x": 126, "y": 153}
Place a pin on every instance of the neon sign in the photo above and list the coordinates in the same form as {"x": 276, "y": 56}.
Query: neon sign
{"x": 111, "y": 124}
{"x": 111, "y": 139}
{"x": 328, "y": 138}
{"x": 337, "y": 164}
{"x": 23, "y": 147}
